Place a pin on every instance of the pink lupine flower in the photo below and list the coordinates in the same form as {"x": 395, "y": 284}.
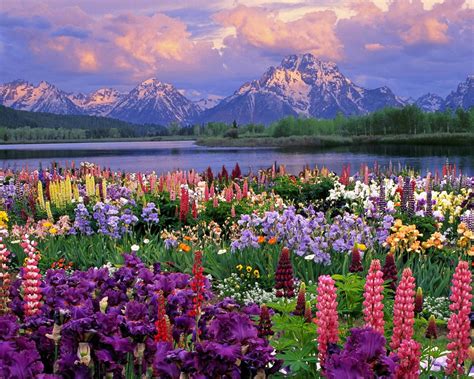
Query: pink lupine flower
{"x": 409, "y": 355}
{"x": 245, "y": 188}
{"x": 403, "y": 310}
{"x": 4, "y": 278}
{"x": 326, "y": 316}
{"x": 206, "y": 192}
{"x": 238, "y": 192}
{"x": 373, "y": 305}
{"x": 459, "y": 323}
{"x": 229, "y": 194}
{"x": 31, "y": 284}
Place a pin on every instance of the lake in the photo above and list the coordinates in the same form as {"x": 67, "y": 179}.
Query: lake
{"x": 162, "y": 156}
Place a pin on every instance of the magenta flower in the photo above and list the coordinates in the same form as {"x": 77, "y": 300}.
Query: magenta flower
{"x": 403, "y": 310}
{"x": 326, "y": 316}
{"x": 373, "y": 306}
{"x": 31, "y": 278}
{"x": 459, "y": 322}
{"x": 409, "y": 355}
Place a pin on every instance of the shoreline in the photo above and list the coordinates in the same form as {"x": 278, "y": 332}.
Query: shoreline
{"x": 93, "y": 140}
{"x": 444, "y": 139}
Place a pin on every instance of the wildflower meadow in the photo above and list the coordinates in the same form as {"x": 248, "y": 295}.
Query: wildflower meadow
{"x": 357, "y": 274}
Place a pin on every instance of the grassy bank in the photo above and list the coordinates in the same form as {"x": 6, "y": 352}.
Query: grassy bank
{"x": 460, "y": 139}
{"x": 130, "y": 139}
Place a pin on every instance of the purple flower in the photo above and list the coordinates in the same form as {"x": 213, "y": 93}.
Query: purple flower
{"x": 150, "y": 214}
{"x": 363, "y": 356}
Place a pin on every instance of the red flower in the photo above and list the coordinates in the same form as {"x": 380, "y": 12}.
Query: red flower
{"x": 197, "y": 284}
{"x": 265, "y": 323}
{"x": 163, "y": 332}
{"x": 284, "y": 275}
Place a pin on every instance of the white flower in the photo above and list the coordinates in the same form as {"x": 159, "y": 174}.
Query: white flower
{"x": 222, "y": 251}
{"x": 146, "y": 241}
{"x": 309, "y": 257}
{"x": 135, "y": 248}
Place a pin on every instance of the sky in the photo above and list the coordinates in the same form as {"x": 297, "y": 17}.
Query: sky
{"x": 211, "y": 47}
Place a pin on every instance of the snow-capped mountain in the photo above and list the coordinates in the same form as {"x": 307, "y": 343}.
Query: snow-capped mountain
{"x": 430, "y": 102}
{"x": 155, "y": 102}
{"x": 44, "y": 97}
{"x": 98, "y": 103}
{"x": 463, "y": 97}
{"x": 301, "y": 85}
{"x": 208, "y": 102}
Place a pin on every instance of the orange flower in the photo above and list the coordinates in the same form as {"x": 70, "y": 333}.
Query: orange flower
{"x": 187, "y": 238}
{"x": 186, "y": 248}
{"x": 272, "y": 241}
{"x": 261, "y": 239}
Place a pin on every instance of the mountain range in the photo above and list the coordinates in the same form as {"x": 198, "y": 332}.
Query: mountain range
{"x": 301, "y": 85}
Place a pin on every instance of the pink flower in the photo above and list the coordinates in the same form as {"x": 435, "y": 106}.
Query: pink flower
{"x": 373, "y": 306}
{"x": 409, "y": 354}
{"x": 326, "y": 316}
{"x": 403, "y": 310}
{"x": 31, "y": 283}
{"x": 459, "y": 323}
{"x": 245, "y": 188}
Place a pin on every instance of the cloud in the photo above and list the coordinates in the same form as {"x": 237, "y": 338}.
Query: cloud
{"x": 264, "y": 30}
{"x": 374, "y": 46}
{"x": 408, "y": 46}
{"x": 214, "y": 46}
{"x": 71, "y": 31}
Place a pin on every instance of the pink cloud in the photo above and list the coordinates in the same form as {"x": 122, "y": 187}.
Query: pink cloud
{"x": 427, "y": 30}
{"x": 259, "y": 28}
{"x": 409, "y": 23}
{"x": 374, "y": 46}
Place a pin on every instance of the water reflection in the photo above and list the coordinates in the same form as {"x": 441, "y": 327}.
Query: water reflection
{"x": 163, "y": 156}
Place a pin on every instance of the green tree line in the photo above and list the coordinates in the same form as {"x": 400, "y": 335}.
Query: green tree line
{"x": 18, "y": 125}
{"x": 389, "y": 121}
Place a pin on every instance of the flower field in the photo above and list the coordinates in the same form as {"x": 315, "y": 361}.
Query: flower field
{"x": 223, "y": 275}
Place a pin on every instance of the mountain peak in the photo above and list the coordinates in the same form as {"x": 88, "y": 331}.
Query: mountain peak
{"x": 154, "y": 82}
{"x": 430, "y": 102}
{"x": 307, "y": 63}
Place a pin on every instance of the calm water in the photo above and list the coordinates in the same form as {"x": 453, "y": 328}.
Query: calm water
{"x": 162, "y": 156}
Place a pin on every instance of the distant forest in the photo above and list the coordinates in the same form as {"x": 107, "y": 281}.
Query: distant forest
{"x": 386, "y": 122}
{"x": 19, "y": 126}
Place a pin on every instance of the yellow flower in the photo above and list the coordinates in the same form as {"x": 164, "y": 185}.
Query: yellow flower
{"x": 256, "y": 273}
{"x": 248, "y": 268}
{"x": 53, "y": 230}
{"x": 239, "y": 267}
{"x": 361, "y": 246}
{"x": 3, "y": 219}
